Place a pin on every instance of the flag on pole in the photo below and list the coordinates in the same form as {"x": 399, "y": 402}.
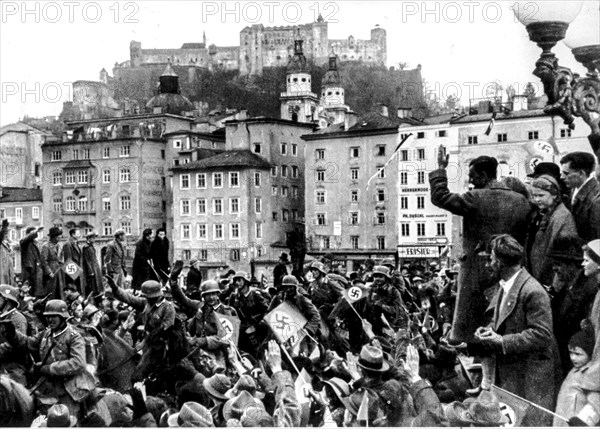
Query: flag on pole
{"x": 354, "y": 293}
{"x": 72, "y": 269}
{"x": 552, "y": 142}
{"x": 363, "y": 410}
{"x": 285, "y": 321}
{"x": 328, "y": 421}
{"x": 517, "y": 409}
{"x": 231, "y": 326}
{"x": 491, "y": 124}
{"x": 389, "y": 160}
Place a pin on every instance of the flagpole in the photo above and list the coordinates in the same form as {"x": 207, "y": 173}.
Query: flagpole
{"x": 352, "y": 307}
{"x": 282, "y": 347}
{"x": 530, "y": 403}
{"x": 389, "y": 160}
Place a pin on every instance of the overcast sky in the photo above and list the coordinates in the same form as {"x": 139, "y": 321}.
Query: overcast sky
{"x": 461, "y": 46}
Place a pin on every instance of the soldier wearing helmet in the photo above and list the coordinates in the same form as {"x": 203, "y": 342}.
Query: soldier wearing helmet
{"x": 324, "y": 290}
{"x": 61, "y": 350}
{"x": 12, "y": 360}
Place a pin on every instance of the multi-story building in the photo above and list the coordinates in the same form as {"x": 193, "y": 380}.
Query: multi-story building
{"x": 239, "y": 205}
{"x": 21, "y": 155}
{"x": 22, "y": 207}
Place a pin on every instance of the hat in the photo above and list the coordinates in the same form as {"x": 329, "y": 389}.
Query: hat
{"x": 10, "y": 293}
{"x": 584, "y": 339}
{"x": 234, "y": 408}
{"x": 90, "y": 310}
{"x": 192, "y": 414}
{"x": 417, "y": 279}
{"x": 353, "y": 402}
{"x": 59, "y": 417}
{"x": 91, "y": 234}
{"x": 481, "y": 411}
{"x": 193, "y": 261}
{"x": 289, "y": 280}
{"x": 339, "y": 387}
{"x": 391, "y": 393}
{"x": 55, "y": 231}
{"x": 151, "y": 289}
{"x": 255, "y": 416}
{"x": 245, "y": 383}
{"x": 241, "y": 275}
{"x": 371, "y": 359}
{"x": 547, "y": 183}
{"x": 380, "y": 269}
{"x": 116, "y": 404}
{"x": 388, "y": 261}
{"x": 593, "y": 250}
{"x": 319, "y": 266}
{"x": 217, "y": 386}
{"x": 548, "y": 168}
{"x": 283, "y": 257}
{"x": 118, "y": 232}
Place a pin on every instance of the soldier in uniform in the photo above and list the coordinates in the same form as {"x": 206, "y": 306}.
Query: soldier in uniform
{"x": 12, "y": 360}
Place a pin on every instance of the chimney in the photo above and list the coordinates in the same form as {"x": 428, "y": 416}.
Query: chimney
{"x": 520, "y": 102}
{"x": 383, "y": 110}
{"x": 350, "y": 120}
{"x": 484, "y": 107}
{"x": 404, "y": 112}
{"x": 242, "y": 114}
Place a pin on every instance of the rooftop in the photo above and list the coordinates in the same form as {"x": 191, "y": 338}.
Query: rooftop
{"x": 17, "y": 195}
{"x": 227, "y": 159}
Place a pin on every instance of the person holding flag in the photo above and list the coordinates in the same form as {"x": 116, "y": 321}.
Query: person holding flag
{"x": 52, "y": 262}
{"x": 71, "y": 252}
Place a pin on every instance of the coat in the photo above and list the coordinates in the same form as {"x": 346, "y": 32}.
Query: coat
{"x": 31, "y": 261}
{"x": 51, "y": 262}
{"x": 7, "y": 272}
{"x": 528, "y": 364}
{"x": 492, "y": 210}
{"x": 114, "y": 261}
{"x": 160, "y": 258}
{"x": 573, "y": 398}
{"x": 91, "y": 270}
{"x": 555, "y": 225}
{"x": 141, "y": 270}
{"x": 586, "y": 211}
{"x": 72, "y": 251}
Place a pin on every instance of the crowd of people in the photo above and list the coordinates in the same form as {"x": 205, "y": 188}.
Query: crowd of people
{"x": 506, "y": 336}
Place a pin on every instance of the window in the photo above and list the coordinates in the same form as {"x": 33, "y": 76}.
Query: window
{"x": 441, "y": 229}
{"x": 533, "y": 135}
{"x": 295, "y": 171}
{"x": 380, "y": 196}
{"x": 185, "y": 232}
{"x": 56, "y": 155}
{"x": 354, "y": 173}
{"x": 353, "y": 218}
{"x": 201, "y": 206}
{"x": 284, "y": 191}
{"x": 472, "y": 139}
{"x": 380, "y": 172}
{"x": 57, "y": 205}
{"x": 257, "y": 205}
{"x": 234, "y": 230}
{"x": 294, "y": 192}
{"x": 257, "y": 179}
{"x": 234, "y": 205}
{"x": 404, "y": 155}
{"x": 258, "y": 229}
{"x": 70, "y": 204}
{"x": 275, "y": 216}
{"x": 186, "y": 254}
{"x": 284, "y": 148}
{"x": 325, "y": 242}
{"x": 420, "y": 202}
{"x": 294, "y": 149}
{"x": 257, "y": 147}
{"x": 203, "y": 255}
{"x": 162, "y": 154}
{"x": 70, "y": 177}
{"x": 380, "y": 150}
{"x": 126, "y": 226}
{"x": 502, "y": 137}
{"x": 285, "y": 215}
{"x": 320, "y": 154}
{"x": 106, "y": 152}
{"x": 125, "y": 203}
{"x": 75, "y": 154}
{"x": 403, "y": 178}
{"x": 184, "y": 207}
{"x": 234, "y": 179}
{"x": 380, "y": 218}
{"x": 217, "y": 180}
{"x": 381, "y": 242}
{"x": 354, "y": 242}
{"x": 565, "y": 132}
{"x": 354, "y": 152}
{"x": 421, "y": 154}
{"x": 201, "y": 231}
{"x": 82, "y": 176}
{"x": 124, "y": 175}
{"x": 421, "y": 135}
{"x": 353, "y": 195}
{"x": 19, "y": 214}
{"x": 404, "y": 203}
{"x": 420, "y": 177}
{"x": 284, "y": 171}
{"x": 85, "y": 154}
{"x": 218, "y": 206}
{"x": 420, "y": 229}
{"x": 201, "y": 180}
{"x": 440, "y": 133}
{"x": 274, "y": 171}
{"x": 321, "y": 219}
{"x": 106, "y": 204}
{"x": 405, "y": 229}
{"x": 177, "y": 144}
{"x": 107, "y": 228}
{"x": 124, "y": 151}
{"x": 294, "y": 214}
{"x": 56, "y": 178}
{"x": 320, "y": 175}
{"x": 106, "y": 176}
{"x": 184, "y": 181}
{"x": 82, "y": 205}
{"x": 273, "y": 190}
{"x": 234, "y": 255}
{"x": 320, "y": 197}
{"x": 218, "y": 231}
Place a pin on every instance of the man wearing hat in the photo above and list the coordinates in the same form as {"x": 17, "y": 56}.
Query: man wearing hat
{"x": 31, "y": 258}
{"x": 61, "y": 351}
{"x": 194, "y": 278}
{"x": 72, "y": 252}
{"x": 141, "y": 269}
{"x": 91, "y": 268}
{"x": 12, "y": 361}
{"x": 280, "y": 270}
{"x": 323, "y": 290}
{"x": 52, "y": 262}
{"x": 114, "y": 259}
{"x": 383, "y": 299}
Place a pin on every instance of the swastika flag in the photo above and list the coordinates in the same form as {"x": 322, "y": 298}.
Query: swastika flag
{"x": 72, "y": 269}
{"x": 231, "y": 326}
{"x": 285, "y": 321}
{"x": 355, "y": 293}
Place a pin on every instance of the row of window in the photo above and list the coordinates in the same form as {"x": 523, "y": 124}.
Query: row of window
{"x": 379, "y": 218}
{"x": 72, "y": 204}
{"x": 35, "y": 213}
{"x": 72, "y": 177}
{"x": 234, "y": 254}
{"x": 324, "y": 242}
{"x": 283, "y": 148}
{"x": 285, "y": 215}
{"x": 379, "y": 196}
{"x": 124, "y": 152}
{"x": 421, "y": 229}
{"x": 218, "y": 231}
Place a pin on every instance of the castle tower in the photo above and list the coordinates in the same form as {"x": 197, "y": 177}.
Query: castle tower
{"x": 379, "y": 38}
{"x": 135, "y": 53}
{"x": 298, "y": 103}
{"x": 332, "y": 109}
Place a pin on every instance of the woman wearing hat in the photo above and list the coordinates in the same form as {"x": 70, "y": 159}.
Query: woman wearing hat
{"x": 556, "y": 223}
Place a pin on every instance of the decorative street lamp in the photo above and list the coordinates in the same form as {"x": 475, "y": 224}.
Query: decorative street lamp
{"x": 568, "y": 93}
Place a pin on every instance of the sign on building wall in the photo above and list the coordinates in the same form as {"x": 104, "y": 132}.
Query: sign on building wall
{"x": 337, "y": 227}
{"x": 419, "y": 251}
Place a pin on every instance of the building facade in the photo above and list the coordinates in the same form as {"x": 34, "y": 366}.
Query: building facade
{"x": 21, "y": 155}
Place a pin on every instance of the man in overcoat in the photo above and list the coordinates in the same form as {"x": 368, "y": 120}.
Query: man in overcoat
{"x": 72, "y": 251}
{"x": 91, "y": 268}
{"x": 490, "y": 208}
{"x": 141, "y": 269}
{"x": 52, "y": 262}
{"x": 114, "y": 259}
{"x": 31, "y": 258}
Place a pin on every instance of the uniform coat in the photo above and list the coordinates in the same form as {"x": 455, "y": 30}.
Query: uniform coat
{"x": 91, "y": 270}
{"x": 586, "y": 211}
{"x": 72, "y": 251}
{"x": 51, "y": 262}
{"x": 492, "y": 210}
{"x": 31, "y": 261}
{"x": 528, "y": 365}
{"x": 114, "y": 261}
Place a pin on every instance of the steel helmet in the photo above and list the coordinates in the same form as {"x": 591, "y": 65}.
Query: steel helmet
{"x": 318, "y": 266}
{"x": 289, "y": 280}
{"x": 56, "y": 307}
{"x": 11, "y": 293}
{"x": 242, "y": 275}
{"x": 151, "y": 289}
{"x": 90, "y": 310}
{"x": 209, "y": 286}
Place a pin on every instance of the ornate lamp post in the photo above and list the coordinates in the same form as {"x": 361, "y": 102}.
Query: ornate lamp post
{"x": 569, "y": 94}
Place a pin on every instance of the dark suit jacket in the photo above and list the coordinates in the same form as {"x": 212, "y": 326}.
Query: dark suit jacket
{"x": 72, "y": 251}
{"x": 493, "y": 210}
{"x": 586, "y": 211}
{"x": 31, "y": 260}
{"x": 114, "y": 259}
{"x": 91, "y": 270}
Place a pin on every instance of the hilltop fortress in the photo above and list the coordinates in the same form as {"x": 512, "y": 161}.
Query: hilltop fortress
{"x": 262, "y": 47}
